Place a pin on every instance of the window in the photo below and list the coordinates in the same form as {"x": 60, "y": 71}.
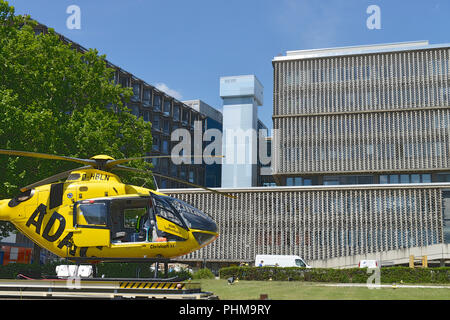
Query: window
{"x": 155, "y": 123}
{"x": 165, "y": 146}
{"x": 173, "y": 170}
{"x": 183, "y": 173}
{"x": 167, "y": 105}
{"x": 443, "y": 177}
{"x": 176, "y": 112}
{"x": 164, "y": 165}
{"x": 166, "y": 126}
{"x": 136, "y": 92}
{"x": 330, "y": 182}
{"x": 123, "y": 81}
{"x": 156, "y": 143}
{"x": 298, "y": 181}
{"x": 92, "y": 213}
{"x": 155, "y": 163}
{"x": 134, "y": 110}
{"x": 185, "y": 116}
{"x": 404, "y": 178}
{"x": 147, "y": 97}
{"x": 73, "y": 177}
{"x": 299, "y": 263}
{"x": 190, "y": 213}
{"x": 193, "y": 119}
{"x": 415, "y": 178}
{"x": 146, "y": 116}
{"x": 393, "y": 179}
{"x": 164, "y": 210}
{"x": 290, "y": 181}
{"x": 157, "y": 103}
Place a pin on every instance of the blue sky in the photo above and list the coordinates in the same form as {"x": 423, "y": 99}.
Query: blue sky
{"x": 187, "y": 46}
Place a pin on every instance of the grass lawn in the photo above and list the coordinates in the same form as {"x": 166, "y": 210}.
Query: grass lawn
{"x": 283, "y": 290}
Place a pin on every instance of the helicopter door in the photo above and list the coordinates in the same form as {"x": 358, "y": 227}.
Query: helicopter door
{"x": 91, "y": 224}
{"x": 168, "y": 221}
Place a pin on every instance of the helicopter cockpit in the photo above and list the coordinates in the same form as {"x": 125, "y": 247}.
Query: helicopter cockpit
{"x": 152, "y": 218}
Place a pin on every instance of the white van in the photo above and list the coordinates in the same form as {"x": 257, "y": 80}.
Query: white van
{"x": 262, "y": 260}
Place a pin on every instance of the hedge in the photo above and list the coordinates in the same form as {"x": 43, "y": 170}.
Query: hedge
{"x": 353, "y": 275}
{"x": 110, "y": 270}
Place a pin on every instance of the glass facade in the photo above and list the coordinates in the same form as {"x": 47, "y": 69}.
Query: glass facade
{"x": 166, "y": 114}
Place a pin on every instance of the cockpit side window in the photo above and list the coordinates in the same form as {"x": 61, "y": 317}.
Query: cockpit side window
{"x": 184, "y": 207}
{"x": 164, "y": 210}
{"x": 93, "y": 213}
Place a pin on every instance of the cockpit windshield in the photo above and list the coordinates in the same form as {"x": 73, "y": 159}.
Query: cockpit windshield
{"x": 164, "y": 210}
{"x": 195, "y": 219}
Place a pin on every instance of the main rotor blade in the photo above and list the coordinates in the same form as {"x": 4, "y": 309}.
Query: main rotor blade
{"x": 118, "y": 167}
{"x": 45, "y": 156}
{"x": 51, "y": 179}
{"x": 113, "y": 163}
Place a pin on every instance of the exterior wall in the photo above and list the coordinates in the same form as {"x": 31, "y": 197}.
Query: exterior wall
{"x": 241, "y": 97}
{"x": 319, "y": 222}
{"x": 377, "y": 112}
{"x": 364, "y": 142}
{"x": 213, "y": 120}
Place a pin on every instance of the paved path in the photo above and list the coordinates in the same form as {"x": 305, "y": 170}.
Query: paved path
{"x": 384, "y": 285}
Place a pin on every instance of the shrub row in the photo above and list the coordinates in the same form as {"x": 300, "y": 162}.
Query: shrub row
{"x": 109, "y": 270}
{"x": 353, "y": 275}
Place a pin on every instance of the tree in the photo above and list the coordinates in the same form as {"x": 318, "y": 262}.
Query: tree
{"x": 55, "y": 99}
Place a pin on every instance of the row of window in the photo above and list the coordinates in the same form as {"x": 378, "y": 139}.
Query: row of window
{"x": 188, "y": 174}
{"x": 406, "y": 178}
{"x": 368, "y": 179}
{"x": 162, "y": 104}
{"x": 156, "y": 118}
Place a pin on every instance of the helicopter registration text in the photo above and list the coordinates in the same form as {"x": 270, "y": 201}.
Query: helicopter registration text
{"x": 94, "y": 176}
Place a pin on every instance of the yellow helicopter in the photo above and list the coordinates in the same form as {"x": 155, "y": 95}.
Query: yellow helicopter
{"x": 94, "y": 216}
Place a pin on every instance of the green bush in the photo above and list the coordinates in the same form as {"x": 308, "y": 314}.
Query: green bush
{"x": 352, "y": 275}
{"x": 36, "y": 271}
{"x": 109, "y": 270}
{"x": 203, "y": 274}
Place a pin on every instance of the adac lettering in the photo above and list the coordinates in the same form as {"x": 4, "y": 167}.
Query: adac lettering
{"x": 36, "y": 219}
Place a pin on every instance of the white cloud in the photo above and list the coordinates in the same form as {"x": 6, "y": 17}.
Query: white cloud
{"x": 163, "y": 87}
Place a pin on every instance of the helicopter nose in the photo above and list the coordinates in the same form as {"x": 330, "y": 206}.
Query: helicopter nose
{"x": 203, "y": 223}
{"x": 204, "y": 229}
{"x": 204, "y": 238}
